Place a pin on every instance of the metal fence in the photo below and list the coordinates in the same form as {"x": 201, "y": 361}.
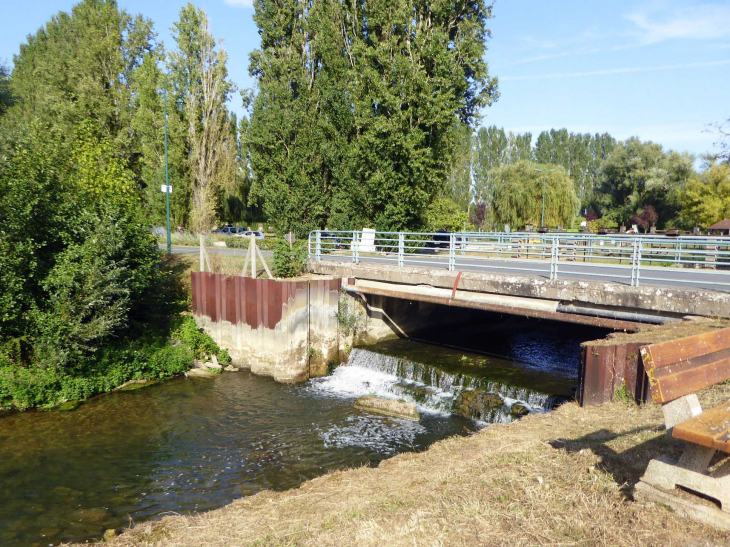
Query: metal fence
{"x": 628, "y": 258}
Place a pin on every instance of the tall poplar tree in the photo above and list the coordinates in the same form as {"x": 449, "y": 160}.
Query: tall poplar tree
{"x": 353, "y": 124}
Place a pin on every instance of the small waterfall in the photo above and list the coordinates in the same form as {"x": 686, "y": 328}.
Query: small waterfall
{"x": 430, "y": 388}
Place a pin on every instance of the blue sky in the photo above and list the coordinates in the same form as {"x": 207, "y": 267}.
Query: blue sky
{"x": 658, "y": 69}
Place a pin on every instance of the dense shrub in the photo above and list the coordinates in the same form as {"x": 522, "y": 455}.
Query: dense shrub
{"x": 290, "y": 262}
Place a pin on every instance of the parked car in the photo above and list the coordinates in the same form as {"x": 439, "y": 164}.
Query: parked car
{"x": 229, "y": 230}
{"x": 249, "y": 233}
{"x": 331, "y": 240}
{"x": 440, "y": 240}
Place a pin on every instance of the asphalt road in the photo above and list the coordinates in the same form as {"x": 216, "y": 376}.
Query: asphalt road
{"x": 684, "y": 278}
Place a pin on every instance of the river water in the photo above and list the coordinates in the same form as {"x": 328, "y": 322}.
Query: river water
{"x": 194, "y": 444}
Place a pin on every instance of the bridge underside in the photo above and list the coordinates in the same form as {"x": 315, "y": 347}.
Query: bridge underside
{"x": 620, "y": 307}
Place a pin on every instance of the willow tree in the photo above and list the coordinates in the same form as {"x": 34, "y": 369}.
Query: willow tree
{"x": 199, "y": 65}
{"x": 517, "y": 194}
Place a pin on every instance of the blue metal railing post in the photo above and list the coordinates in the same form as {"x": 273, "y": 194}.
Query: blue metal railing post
{"x": 401, "y": 245}
{"x": 318, "y": 246}
{"x": 554, "y": 255}
{"x": 452, "y": 252}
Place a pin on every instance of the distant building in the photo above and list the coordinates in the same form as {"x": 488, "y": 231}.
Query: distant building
{"x": 721, "y": 228}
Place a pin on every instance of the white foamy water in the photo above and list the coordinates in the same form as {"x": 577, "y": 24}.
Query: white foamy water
{"x": 432, "y": 390}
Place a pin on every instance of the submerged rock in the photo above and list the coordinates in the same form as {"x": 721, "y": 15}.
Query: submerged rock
{"x": 109, "y": 534}
{"x": 200, "y": 372}
{"x": 231, "y": 368}
{"x": 389, "y": 407}
{"x": 131, "y": 385}
{"x": 94, "y": 514}
{"x": 68, "y": 406}
{"x": 214, "y": 366}
{"x": 518, "y": 410}
{"x": 477, "y": 404}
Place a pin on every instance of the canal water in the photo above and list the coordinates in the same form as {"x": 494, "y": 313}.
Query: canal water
{"x": 195, "y": 444}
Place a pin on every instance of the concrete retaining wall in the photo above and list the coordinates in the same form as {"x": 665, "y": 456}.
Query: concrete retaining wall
{"x": 284, "y": 329}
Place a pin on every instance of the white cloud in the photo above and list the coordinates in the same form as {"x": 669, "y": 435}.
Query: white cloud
{"x": 614, "y": 71}
{"x": 702, "y": 22}
{"x": 240, "y": 3}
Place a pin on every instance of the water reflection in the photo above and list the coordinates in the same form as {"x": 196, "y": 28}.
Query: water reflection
{"x": 183, "y": 446}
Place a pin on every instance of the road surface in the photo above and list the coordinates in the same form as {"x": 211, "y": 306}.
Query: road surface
{"x": 681, "y": 278}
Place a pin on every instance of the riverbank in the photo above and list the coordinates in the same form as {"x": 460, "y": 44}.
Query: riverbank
{"x": 162, "y": 343}
{"x": 565, "y": 477}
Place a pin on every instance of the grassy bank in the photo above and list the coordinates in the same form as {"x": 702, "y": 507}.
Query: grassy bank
{"x": 562, "y": 478}
{"x": 164, "y": 345}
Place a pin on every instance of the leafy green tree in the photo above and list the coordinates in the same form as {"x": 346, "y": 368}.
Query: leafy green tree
{"x": 518, "y": 191}
{"x": 445, "y": 214}
{"x": 5, "y": 96}
{"x": 79, "y": 67}
{"x": 706, "y": 198}
{"x": 459, "y": 181}
{"x": 148, "y": 123}
{"x": 638, "y": 174}
{"x": 199, "y": 64}
{"x": 354, "y": 120}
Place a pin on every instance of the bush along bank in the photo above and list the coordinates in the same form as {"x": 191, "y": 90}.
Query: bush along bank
{"x": 151, "y": 357}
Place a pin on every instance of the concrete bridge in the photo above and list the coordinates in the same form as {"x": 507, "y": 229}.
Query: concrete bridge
{"x": 610, "y": 281}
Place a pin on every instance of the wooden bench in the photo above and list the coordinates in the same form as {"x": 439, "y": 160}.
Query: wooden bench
{"x": 676, "y": 371}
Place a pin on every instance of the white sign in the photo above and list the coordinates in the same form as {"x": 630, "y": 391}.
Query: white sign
{"x": 367, "y": 243}
{"x": 166, "y": 189}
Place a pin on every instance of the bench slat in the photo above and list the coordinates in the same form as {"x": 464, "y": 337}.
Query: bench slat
{"x": 667, "y": 353}
{"x": 686, "y": 365}
{"x": 711, "y": 428}
{"x": 672, "y": 382}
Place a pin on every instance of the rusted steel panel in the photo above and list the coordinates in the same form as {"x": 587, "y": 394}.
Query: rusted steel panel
{"x": 605, "y": 368}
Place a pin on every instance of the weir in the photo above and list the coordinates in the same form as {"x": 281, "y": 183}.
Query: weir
{"x": 295, "y": 330}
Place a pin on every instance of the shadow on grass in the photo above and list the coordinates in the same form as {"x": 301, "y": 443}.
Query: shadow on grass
{"x": 628, "y": 465}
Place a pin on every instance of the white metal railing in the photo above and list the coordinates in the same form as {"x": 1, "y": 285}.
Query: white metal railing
{"x": 631, "y": 258}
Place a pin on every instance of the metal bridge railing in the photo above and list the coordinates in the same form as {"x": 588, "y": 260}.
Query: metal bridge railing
{"x": 627, "y": 258}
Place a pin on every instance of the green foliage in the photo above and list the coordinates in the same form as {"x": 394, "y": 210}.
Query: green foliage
{"x": 362, "y": 134}
{"x": 580, "y": 155}
{"x": 622, "y": 394}
{"x": 706, "y": 198}
{"x": 518, "y": 191}
{"x": 290, "y": 262}
{"x": 200, "y": 343}
{"x": 638, "y": 174}
{"x": 606, "y": 222}
{"x": 445, "y": 214}
{"x": 348, "y": 319}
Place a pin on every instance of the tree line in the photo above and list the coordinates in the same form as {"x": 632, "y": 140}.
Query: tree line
{"x": 498, "y": 176}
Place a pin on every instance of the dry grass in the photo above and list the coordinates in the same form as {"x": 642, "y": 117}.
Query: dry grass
{"x": 565, "y": 478}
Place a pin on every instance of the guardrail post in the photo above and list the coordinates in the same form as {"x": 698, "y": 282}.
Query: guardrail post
{"x": 401, "y": 245}
{"x": 452, "y": 252}
{"x": 355, "y": 248}
{"x": 318, "y": 248}
{"x": 554, "y": 256}
{"x": 636, "y": 264}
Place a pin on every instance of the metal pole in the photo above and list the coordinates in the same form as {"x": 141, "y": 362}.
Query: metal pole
{"x": 401, "y": 245}
{"x": 452, "y": 252}
{"x": 318, "y": 248}
{"x": 167, "y": 176}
